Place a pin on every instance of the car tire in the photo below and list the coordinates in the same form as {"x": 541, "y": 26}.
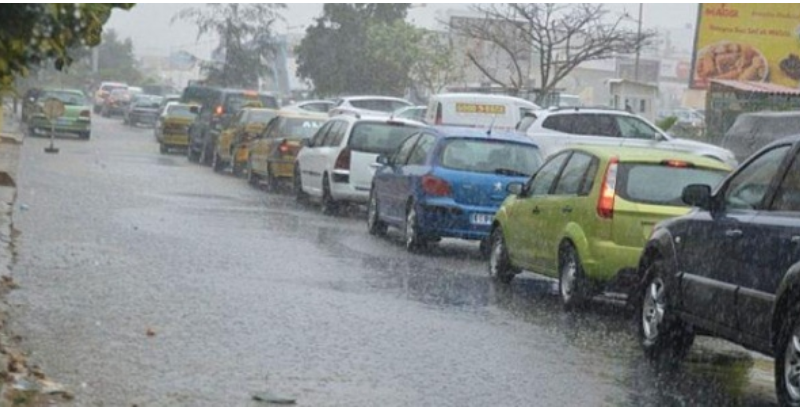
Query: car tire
{"x": 206, "y": 155}
{"x": 329, "y": 206}
{"x": 32, "y": 131}
{"x": 297, "y": 185}
{"x": 413, "y": 240}
{"x": 787, "y": 360}
{"x": 375, "y": 225}
{"x": 252, "y": 178}
{"x": 216, "y": 162}
{"x": 500, "y": 267}
{"x": 236, "y": 167}
{"x": 572, "y": 285}
{"x": 272, "y": 182}
{"x": 85, "y": 135}
{"x": 484, "y": 248}
{"x": 191, "y": 154}
{"x": 663, "y": 336}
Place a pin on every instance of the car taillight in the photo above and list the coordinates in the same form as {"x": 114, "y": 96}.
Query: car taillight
{"x": 219, "y": 110}
{"x": 343, "y": 160}
{"x": 435, "y": 186}
{"x": 85, "y": 114}
{"x": 284, "y": 149}
{"x": 677, "y": 164}
{"x": 605, "y": 204}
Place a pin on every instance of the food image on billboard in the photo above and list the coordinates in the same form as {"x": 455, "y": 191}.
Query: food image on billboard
{"x": 747, "y": 42}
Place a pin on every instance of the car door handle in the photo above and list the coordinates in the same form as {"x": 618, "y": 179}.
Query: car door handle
{"x": 566, "y": 209}
{"x": 536, "y": 210}
{"x": 736, "y": 233}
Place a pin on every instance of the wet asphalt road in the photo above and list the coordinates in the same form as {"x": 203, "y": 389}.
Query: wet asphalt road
{"x": 250, "y": 292}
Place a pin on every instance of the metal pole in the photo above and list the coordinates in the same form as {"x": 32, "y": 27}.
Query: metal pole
{"x": 638, "y": 44}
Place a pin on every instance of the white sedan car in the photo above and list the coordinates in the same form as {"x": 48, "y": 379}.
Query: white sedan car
{"x": 368, "y": 105}
{"x": 336, "y": 165}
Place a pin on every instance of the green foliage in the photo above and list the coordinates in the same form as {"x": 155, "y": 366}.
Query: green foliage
{"x": 32, "y": 33}
{"x": 245, "y": 40}
{"x": 667, "y": 123}
{"x": 359, "y": 49}
{"x": 436, "y": 66}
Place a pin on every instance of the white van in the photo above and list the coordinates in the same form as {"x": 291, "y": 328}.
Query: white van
{"x": 477, "y": 110}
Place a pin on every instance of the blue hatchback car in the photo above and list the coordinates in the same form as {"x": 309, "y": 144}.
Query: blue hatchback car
{"x": 448, "y": 182}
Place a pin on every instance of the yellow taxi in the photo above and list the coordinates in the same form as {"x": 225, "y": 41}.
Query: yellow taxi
{"x": 271, "y": 155}
{"x": 231, "y": 146}
{"x": 173, "y": 126}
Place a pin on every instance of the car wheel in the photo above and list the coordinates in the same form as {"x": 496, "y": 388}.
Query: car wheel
{"x": 500, "y": 267}
{"x": 272, "y": 182}
{"x": 484, "y": 248}
{"x": 32, "y": 131}
{"x": 329, "y": 205}
{"x": 85, "y": 135}
{"x": 206, "y": 155}
{"x": 571, "y": 279}
{"x": 297, "y": 185}
{"x": 236, "y": 167}
{"x": 163, "y": 149}
{"x": 216, "y": 162}
{"x": 787, "y": 361}
{"x": 252, "y": 177}
{"x": 663, "y": 336}
{"x": 191, "y": 154}
{"x": 413, "y": 240}
{"x": 375, "y": 225}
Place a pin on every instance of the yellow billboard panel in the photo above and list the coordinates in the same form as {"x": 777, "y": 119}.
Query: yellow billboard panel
{"x": 747, "y": 42}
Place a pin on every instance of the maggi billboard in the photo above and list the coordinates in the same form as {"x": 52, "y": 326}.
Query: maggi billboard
{"x": 748, "y": 42}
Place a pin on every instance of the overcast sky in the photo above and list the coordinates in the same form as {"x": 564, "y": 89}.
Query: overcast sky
{"x": 148, "y": 25}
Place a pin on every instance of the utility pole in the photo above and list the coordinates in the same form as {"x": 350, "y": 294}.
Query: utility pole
{"x": 638, "y": 44}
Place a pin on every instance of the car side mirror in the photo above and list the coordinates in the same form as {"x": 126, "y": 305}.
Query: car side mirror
{"x": 307, "y": 142}
{"x": 697, "y": 195}
{"x": 383, "y": 159}
{"x": 515, "y": 188}
{"x": 194, "y": 109}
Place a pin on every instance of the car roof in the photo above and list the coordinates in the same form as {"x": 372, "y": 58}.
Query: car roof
{"x": 793, "y": 139}
{"x": 771, "y": 114}
{"x": 579, "y": 109}
{"x": 496, "y": 134}
{"x": 465, "y": 95}
{"x": 62, "y": 90}
{"x": 299, "y": 113}
{"x": 378, "y": 118}
{"x": 639, "y": 154}
{"x": 360, "y": 97}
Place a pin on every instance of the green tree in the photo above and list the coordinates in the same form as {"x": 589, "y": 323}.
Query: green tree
{"x": 245, "y": 37}
{"x": 436, "y": 67}
{"x": 358, "y": 48}
{"x": 116, "y": 61}
{"x": 33, "y": 33}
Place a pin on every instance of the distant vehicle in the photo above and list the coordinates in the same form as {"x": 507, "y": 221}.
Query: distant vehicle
{"x": 558, "y": 128}
{"x": 753, "y": 131}
{"x": 115, "y": 103}
{"x": 730, "y": 268}
{"x": 164, "y": 101}
{"x": 217, "y": 105}
{"x": 143, "y": 109}
{"x": 569, "y": 101}
{"x": 246, "y": 125}
{"x": 311, "y": 106}
{"x": 335, "y": 165}
{"x": 477, "y": 110}
{"x": 448, "y": 182}
{"x": 584, "y": 217}
{"x": 77, "y": 118}
{"x": 687, "y": 116}
{"x": 368, "y": 105}
{"x": 102, "y": 93}
{"x": 272, "y": 155}
{"x": 416, "y": 113}
{"x": 173, "y": 126}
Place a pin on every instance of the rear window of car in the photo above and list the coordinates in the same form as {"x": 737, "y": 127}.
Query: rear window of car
{"x": 299, "y": 127}
{"x": 379, "y": 137}
{"x": 236, "y": 101}
{"x": 180, "y": 111}
{"x": 261, "y": 117}
{"x": 66, "y": 97}
{"x": 383, "y": 105}
{"x": 661, "y": 184}
{"x": 490, "y": 156}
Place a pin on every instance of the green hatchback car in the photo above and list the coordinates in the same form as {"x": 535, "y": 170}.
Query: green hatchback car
{"x": 77, "y": 118}
{"x": 585, "y": 215}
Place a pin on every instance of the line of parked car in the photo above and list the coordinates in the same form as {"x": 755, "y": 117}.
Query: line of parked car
{"x": 599, "y": 200}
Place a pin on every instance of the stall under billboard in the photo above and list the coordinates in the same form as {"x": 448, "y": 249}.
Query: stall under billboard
{"x": 747, "y": 42}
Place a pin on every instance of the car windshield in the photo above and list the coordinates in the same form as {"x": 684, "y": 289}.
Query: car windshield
{"x": 66, "y": 97}
{"x": 379, "y": 137}
{"x": 147, "y": 101}
{"x": 237, "y": 101}
{"x": 662, "y": 184}
{"x": 490, "y": 156}
{"x": 381, "y": 105}
{"x": 259, "y": 117}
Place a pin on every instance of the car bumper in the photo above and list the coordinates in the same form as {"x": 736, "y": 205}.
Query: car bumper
{"x": 284, "y": 168}
{"x": 446, "y": 218}
{"x": 348, "y": 192}
{"x": 72, "y": 126}
{"x": 175, "y": 139}
{"x": 607, "y": 261}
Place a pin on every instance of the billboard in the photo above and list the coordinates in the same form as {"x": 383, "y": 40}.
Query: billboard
{"x": 747, "y": 42}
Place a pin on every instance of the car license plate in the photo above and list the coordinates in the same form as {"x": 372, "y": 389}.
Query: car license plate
{"x": 62, "y": 121}
{"x": 483, "y": 219}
